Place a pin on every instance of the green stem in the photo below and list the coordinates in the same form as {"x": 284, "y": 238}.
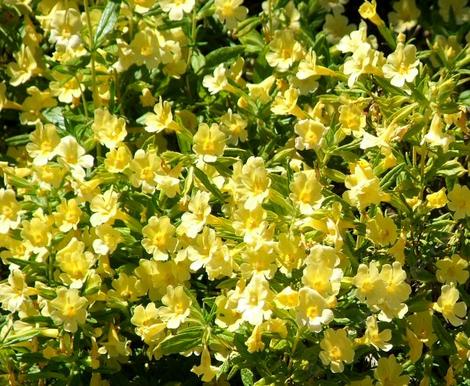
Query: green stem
{"x": 91, "y": 48}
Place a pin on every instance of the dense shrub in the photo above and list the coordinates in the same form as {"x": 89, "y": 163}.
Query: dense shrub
{"x": 209, "y": 191}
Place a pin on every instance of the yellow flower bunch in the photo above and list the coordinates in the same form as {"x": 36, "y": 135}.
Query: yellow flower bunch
{"x": 229, "y": 192}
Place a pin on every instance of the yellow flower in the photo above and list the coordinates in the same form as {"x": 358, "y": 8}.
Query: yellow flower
{"x": 65, "y": 87}
{"x": 321, "y": 277}
{"x": 64, "y": 25}
{"x": 375, "y": 338}
{"x": 284, "y": 50}
{"x": 364, "y": 186}
{"x": 368, "y": 11}
{"x": 36, "y": 235}
{"x": 421, "y": 324}
{"x": 234, "y": 126}
{"x": 107, "y": 240}
{"x": 176, "y": 8}
{"x": 255, "y": 342}
{"x": 118, "y": 159}
{"x": 459, "y": 10}
{"x": 401, "y": 65}
{"x": 370, "y": 286}
{"x": 176, "y": 308}
{"x": 230, "y": 11}
{"x": 43, "y": 143}
{"x": 452, "y": 270}
{"x": 15, "y": 294}
{"x": 306, "y": 191}
{"x": 290, "y": 253}
{"x": 251, "y": 183}
{"x": 33, "y": 104}
{"x": 162, "y": 119}
{"x": 148, "y": 324}
{"x": 447, "y": 305}
{"x": 365, "y": 60}
{"x": 437, "y": 199}
{"x": 313, "y": 310}
{"x": 73, "y": 155}
{"x": 336, "y": 26}
{"x": 351, "y": 42}
{"x": 462, "y": 342}
{"x": 217, "y": 82}
{"x": 367, "y": 381}
{"x": 405, "y": 15}
{"x": 254, "y": 303}
{"x": 25, "y": 67}
{"x": 144, "y": 168}
{"x": 193, "y": 221}
{"x": 310, "y": 134}
{"x": 352, "y": 119}
{"x": 104, "y": 207}
{"x": 287, "y": 298}
{"x": 147, "y": 99}
{"x": 285, "y": 103}
{"x": 459, "y": 201}
{"x": 156, "y": 276}
{"x": 10, "y": 213}
{"x": 209, "y": 142}
{"x": 436, "y": 136}
{"x": 69, "y": 309}
{"x": 260, "y": 91}
{"x": 127, "y": 288}
{"x": 115, "y": 347}
{"x": 67, "y": 215}
{"x": 337, "y": 349}
{"x": 258, "y": 259}
{"x": 159, "y": 237}
{"x": 396, "y": 293}
{"x": 109, "y": 130}
{"x": 388, "y": 373}
{"x": 75, "y": 263}
{"x": 416, "y": 346}
{"x": 205, "y": 370}
{"x": 381, "y": 230}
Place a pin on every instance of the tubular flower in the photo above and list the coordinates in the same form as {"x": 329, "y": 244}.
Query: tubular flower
{"x": 44, "y": 141}
{"x": 364, "y": 186}
{"x": 401, "y": 65}
{"x": 459, "y": 201}
{"x": 209, "y": 142}
{"x": 337, "y": 349}
{"x": 312, "y": 310}
{"x": 230, "y": 12}
{"x": 447, "y": 305}
{"x": 10, "y": 213}
{"x": 109, "y": 130}
{"x": 176, "y": 307}
{"x": 69, "y": 309}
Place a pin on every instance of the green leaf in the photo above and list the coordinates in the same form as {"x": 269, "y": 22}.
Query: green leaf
{"x": 186, "y": 339}
{"x": 222, "y": 55}
{"x": 451, "y": 168}
{"x": 247, "y": 377}
{"x": 209, "y": 185}
{"x": 17, "y": 140}
{"x": 446, "y": 342}
{"x": 107, "y": 22}
{"x": 334, "y": 175}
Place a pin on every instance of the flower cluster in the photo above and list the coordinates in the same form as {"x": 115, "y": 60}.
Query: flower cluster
{"x": 274, "y": 193}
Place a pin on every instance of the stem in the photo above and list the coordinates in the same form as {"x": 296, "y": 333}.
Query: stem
{"x": 294, "y": 345}
{"x": 193, "y": 35}
{"x": 91, "y": 48}
{"x": 270, "y": 17}
{"x": 83, "y": 97}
